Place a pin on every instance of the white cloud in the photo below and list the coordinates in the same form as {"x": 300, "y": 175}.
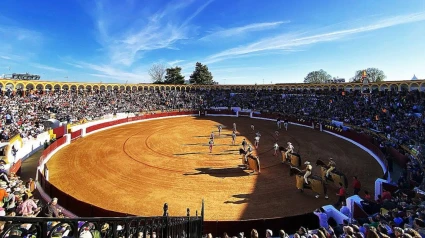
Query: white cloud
{"x": 243, "y": 29}
{"x": 46, "y": 67}
{"x": 175, "y": 62}
{"x": 111, "y": 72}
{"x": 293, "y": 41}
{"x": 5, "y": 57}
{"x": 161, "y": 31}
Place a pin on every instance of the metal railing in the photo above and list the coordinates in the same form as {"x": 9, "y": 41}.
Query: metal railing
{"x": 142, "y": 227}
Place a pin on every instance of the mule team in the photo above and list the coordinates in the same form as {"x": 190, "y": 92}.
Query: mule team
{"x": 305, "y": 179}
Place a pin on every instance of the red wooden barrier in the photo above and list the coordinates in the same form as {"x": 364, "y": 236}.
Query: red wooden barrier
{"x": 75, "y": 134}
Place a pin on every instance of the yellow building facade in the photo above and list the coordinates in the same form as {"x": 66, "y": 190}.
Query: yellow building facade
{"x": 51, "y": 85}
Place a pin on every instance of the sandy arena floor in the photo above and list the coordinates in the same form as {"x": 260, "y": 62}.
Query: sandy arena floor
{"x": 136, "y": 168}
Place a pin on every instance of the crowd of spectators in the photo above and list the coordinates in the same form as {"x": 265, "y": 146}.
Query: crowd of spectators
{"x": 397, "y": 116}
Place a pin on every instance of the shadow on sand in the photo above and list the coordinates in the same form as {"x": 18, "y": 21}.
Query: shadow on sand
{"x": 221, "y": 172}
{"x": 243, "y": 198}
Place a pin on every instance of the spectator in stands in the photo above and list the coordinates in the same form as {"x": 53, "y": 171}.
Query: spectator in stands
{"x": 28, "y": 208}
{"x": 356, "y": 185}
{"x": 254, "y": 233}
{"x": 282, "y": 234}
{"x": 52, "y": 209}
{"x": 269, "y": 233}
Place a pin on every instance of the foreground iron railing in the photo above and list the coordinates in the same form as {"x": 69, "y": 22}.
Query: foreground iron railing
{"x": 141, "y": 227}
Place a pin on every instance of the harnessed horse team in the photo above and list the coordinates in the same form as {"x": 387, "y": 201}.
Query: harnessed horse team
{"x": 304, "y": 178}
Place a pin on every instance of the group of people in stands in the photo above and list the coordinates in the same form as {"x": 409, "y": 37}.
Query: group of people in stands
{"x": 397, "y": 115}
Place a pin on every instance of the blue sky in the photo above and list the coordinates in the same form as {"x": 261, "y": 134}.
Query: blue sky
{"x": 241, "y": 41}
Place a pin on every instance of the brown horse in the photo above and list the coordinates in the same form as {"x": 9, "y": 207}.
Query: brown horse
{"x": 294, "y": 158}
{"x": 253, "y": 162}
{"x": 335, "y": 176}
{"x": 316, "y": 183}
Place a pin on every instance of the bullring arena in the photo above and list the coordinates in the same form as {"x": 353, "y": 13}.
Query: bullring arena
{"x": 136, "y": 168}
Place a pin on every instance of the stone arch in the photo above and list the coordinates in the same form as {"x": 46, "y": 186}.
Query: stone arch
{"x": 374, "y": 87}
{"x": 19, "y": 86}
{"x": 80, "y": 88}
{"x": 57, "y": 88}
{"x": 95, "y": 87}
{"x": 173, "y": 88}
{"x": 357, "y": 87}
{"x": 65, "y": 87}
{"x": 1, "y": 86}
{"x": 9, "y": 86}
{"x": 108, "y": 87}
{"x": 394, "y": 87}
{"x": 413, "y": 87}
{"x": 348, "y": 88}
{"x": 365, "y": 88}
{"x": 48, "y": 87}
{"x": 340, "y": 87}
{"x": 404, "y": 87}
{"x": 115, "y": 88}
{"x": 29, "y": 86}
{"x": 39, "y": 87}
{"x": 326, "y": 88}
{"x": 73, "y": 88}
{"x": 134, "y": 88}
{"x": 88, "y": 88}
{"x": 383, "y": 87}
{"x": 128, "y": 88}
{"x": 422, "y": 87}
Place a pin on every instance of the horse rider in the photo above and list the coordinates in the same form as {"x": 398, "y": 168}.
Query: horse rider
{"x": 248, "y": 153}
{"x": 331, "y": 167}
{"x": 244, "y": 144}
{"x": 289, "y": 149}
{"x": 307, "y": 170}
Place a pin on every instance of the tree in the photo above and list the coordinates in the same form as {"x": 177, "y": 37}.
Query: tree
{"x": 320, "y": 76}
{"x": 372, "y": 75}
{"x": 174, "y": 76}
{"x": 157, "y": 73}
{"x": 201, "y": 75}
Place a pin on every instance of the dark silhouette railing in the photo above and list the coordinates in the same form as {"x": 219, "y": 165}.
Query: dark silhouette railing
{"x": 161, "y": 227}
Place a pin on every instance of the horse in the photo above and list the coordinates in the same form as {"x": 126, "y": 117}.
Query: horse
{"x": 294, "y": 158}
{"x": 335, "y": 176}
{"x": 252, "y": 163}
{"x": 316, "y": 183}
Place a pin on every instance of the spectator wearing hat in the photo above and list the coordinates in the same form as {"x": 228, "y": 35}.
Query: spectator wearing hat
{"x": 269, "y": 233}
